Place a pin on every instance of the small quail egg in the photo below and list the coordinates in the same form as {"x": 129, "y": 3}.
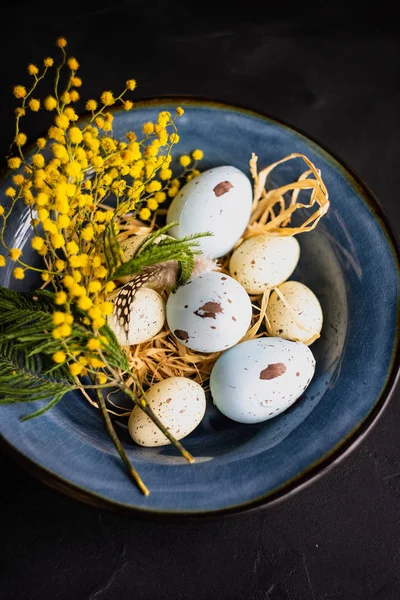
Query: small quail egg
{"x": 178, "y": 402}
{"x": 307, "y": 322}
{"x": 147, "y": 317}
{"x": 264, "y": 261}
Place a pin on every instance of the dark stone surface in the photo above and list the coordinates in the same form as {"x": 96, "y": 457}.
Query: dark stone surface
{"x": 333, "y": 73}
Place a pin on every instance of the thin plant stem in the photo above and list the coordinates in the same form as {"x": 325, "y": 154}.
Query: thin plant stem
{"x": 112, "y": 433}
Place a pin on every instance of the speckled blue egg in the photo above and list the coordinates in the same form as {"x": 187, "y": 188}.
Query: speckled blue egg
{"x": 219, "y": 201}
{"x": 210, "y": 313}
{"x": 259, "y": 379}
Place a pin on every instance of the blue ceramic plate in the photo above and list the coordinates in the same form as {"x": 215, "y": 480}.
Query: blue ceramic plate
{"x": 350, "y": 262}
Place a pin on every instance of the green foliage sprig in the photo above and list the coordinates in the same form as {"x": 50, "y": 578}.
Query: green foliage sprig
{"x": 28, "y": 371}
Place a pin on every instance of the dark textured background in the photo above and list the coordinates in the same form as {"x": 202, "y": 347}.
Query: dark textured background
{"x": 334, "y": 73}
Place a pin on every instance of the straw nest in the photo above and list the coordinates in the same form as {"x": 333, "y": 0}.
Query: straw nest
{"x": 272, "y": 212}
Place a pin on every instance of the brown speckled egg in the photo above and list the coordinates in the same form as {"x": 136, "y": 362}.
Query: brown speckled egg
{"x": 306, "y": 307}
{"x": 264, "y": 261}
{"x": 178, "y": 402}
{"x": 147, "y": 316}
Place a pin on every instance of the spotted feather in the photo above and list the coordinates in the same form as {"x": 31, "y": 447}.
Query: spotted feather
{"x": 126, "y": 295}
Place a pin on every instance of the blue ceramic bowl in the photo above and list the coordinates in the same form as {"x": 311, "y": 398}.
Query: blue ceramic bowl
{"x": 351, "y": 263}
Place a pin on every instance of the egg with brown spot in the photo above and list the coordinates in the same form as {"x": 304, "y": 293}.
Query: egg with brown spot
{"x": 218, "y": 201}
{"x": 264, "y": 261}
{"x": 300, "y": 318}
{"x": 259, "y": 379}
{"x": 203, "y": 318}
{"x": 178, "y": 402}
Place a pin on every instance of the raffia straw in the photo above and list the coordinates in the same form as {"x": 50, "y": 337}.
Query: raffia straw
{"x": 164, "y": 356}
{"x": 263, "y": 218}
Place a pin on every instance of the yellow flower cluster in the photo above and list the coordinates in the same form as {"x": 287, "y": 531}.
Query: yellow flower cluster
{"x": 67, "y": 184}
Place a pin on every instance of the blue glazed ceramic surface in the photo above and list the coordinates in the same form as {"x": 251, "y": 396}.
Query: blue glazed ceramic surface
{"x": 349, "y": 262}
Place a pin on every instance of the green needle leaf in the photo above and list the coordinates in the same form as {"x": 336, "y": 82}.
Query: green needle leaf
{"x": 166, "y": 249}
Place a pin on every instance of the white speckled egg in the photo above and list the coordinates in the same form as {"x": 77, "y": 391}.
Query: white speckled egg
{"x": 219, "y": 201}
{"x": 147, "y": 316}
{"x": 258, "y": 379}
{"x": 264, "y": 261}
{"x": 306, "y": 307}
{"x": 178, "y": 402}
{"x": 210, "y": 313}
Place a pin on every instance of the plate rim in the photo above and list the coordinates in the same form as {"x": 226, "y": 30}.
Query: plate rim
{"x": 317, "y": 469}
